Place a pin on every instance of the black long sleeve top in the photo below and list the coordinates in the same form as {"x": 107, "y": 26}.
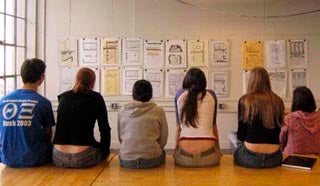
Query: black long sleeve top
{"x": 77, "y": 115}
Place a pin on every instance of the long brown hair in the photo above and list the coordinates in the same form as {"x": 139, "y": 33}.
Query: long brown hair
{"x": 85, "y": 80}
{"x": 261, "y": 101}
{"x": 195, "y": 82}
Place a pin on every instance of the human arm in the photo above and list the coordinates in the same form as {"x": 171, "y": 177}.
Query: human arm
{"x": 216, "y": 134}
{"x": 214, "y": 121}
{"x": 48, "y": 123}
{"x": 118, "y": 127}
{"x": 177, "y": 136}
{"x": 163, "y": 129}
{"x": 178, "y": 128}
{"x": 104, "y": 128}
{"x": 242, "y": 127}
{"x": 283, "y": 138}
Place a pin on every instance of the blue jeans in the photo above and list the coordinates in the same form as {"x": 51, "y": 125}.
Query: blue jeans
{"x": 87, "y": 158}
{"x": 245, "y": 157}
{"x": 206, "y": 158}
{"x": 144, "y": 163}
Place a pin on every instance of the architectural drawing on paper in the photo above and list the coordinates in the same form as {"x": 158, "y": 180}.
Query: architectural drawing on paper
{"x": 156, "y": 78}
{"x": 252, "y": 55}
{"x": 297, "y": 53}
{"x": 68, "y": 52}
{"x": 197, "y": 53}
{"x": 132, "y": 51}
{"x": 275, "y": 53}
{"x": 154, "y": 54}
{"x": 219, "y": 82}
{"x": 67, "y": 78}
{"x": 130, "y": 76}
{"x": 174, "y": 79}
{"x": 110, "y": 81}
{"x": 298, "y": 77}
{"x": 110, "y": 48}
{"x": 278, "y": 80}
{"x": 89, "y": 52}
{"x": 176, "y": 54}
{"x": 245, "y": 79}
{"x": 219, "y": 52}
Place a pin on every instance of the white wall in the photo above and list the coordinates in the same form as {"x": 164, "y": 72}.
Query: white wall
{"x": 168, "y": 19}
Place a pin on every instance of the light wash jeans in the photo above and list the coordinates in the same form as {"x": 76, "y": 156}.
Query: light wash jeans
{"x": 207, "y": 158}
{"x": 144, "y": 163}
{"x": 245, "y": 157}
{"x": 87, "y": 158}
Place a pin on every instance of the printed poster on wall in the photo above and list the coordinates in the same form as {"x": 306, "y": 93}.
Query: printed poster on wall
{"x": 219, "y": 53}
{"x": 176, "y": 54}
{"x": 174, "y": 79}
{"x": 111, "y": 51}
{"x": 130, "y": 76}
{"x": 198, "y": 53}
{"x": 219, "y": 82}
{"x": 278, "y": 80}
{"x": 297, "y": 53}
{"x": 68, "y": 53}
{"x": 132, "y": 51}
{"x": 252, "y": 54}
{"x": 275, "y": 54}
{"x": 153, "y": 54}
{"x": 89, "y": 49}
{"x": 110, "y": 81}
{"x": 298, "y": 77}
{"x": 68, "y": 78}
{"x": 156, "y": 78}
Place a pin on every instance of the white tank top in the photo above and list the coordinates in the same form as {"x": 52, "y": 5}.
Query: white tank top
{"x": 206, "y": 110}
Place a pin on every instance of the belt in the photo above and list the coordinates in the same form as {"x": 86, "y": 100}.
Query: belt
{"x": 202, "y": 154}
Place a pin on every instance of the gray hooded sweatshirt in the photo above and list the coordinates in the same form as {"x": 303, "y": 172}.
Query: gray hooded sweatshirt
{"x": 142, "y": 130}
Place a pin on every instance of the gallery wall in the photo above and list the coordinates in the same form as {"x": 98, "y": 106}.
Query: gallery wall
{"x": 171, "y": 20}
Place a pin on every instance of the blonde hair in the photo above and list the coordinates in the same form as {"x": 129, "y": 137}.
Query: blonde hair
{"x": 261, "y": 101}
{"x": 85, "y": 80}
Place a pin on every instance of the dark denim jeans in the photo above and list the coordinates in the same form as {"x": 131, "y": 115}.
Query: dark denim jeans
{"x": 144, "y": 163}
{"x": 245, "y": 157}
{"x": 87, "y": 158}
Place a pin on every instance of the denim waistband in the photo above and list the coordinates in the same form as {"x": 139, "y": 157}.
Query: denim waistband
{"x": 262, "y": 154}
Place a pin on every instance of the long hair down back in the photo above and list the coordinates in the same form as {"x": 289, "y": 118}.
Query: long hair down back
{"x": 195, "y": 82}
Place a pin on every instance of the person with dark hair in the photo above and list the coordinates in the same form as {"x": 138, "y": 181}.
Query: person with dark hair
{"x": 78, "y": 111}
{"x": 260, "y": 116}
{"x": 197, "y": 139}
{"x": 26, "y": 120}
{"x": 142, "y": 130}
{"x": 300, "y": 133}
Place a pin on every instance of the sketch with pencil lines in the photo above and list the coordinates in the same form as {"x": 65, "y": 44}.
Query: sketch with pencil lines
{"x": 156, "y": 78}
{"x": 219, "y": 52}
{"x": 110, "y": 48}
{"x": 197, "y": 53}
{"x": 89, "y": 49}
{"x": 68, "y": 52}
{"x": 176, "y": 54}
{"x": 297, "y": 53}
{"x": 275, "y": 53}
{"x": 219, "y": 82}
{"x": 154, "y": 54}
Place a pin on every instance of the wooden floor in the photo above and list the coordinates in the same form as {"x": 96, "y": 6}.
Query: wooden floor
{"x": 110, "y": 173}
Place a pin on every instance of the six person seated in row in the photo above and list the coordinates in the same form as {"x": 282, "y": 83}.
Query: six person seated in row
{"x": 263, "y": 129}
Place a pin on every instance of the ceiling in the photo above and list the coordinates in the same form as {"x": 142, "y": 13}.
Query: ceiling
{"x": 257, "y": 8}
